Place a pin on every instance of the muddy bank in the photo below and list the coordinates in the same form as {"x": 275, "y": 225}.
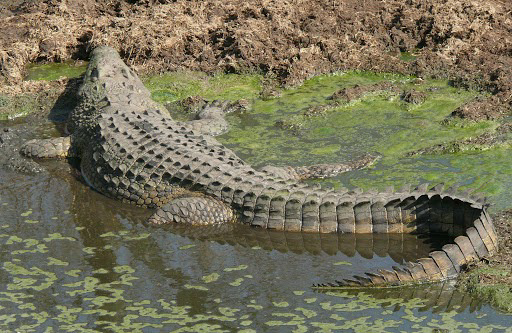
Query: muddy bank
{"x": 466, "y": 41}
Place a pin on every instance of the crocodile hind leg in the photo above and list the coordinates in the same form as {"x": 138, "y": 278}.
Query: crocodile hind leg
{"x": 47, "y": 148}
{"x": 318, "y": 170}
{"x": 200, "y": 210}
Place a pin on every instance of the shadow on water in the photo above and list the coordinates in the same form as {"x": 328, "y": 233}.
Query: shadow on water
{"x": 65, "y": 102}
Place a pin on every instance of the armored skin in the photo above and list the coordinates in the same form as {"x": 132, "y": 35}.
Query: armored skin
{"x": 131, "y": 149}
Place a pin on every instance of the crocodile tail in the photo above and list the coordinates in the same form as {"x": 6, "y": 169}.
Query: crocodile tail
{"x": 471, "y": 226}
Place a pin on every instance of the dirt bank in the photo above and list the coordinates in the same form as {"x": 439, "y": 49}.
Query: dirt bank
{"x": 468, "y": 41}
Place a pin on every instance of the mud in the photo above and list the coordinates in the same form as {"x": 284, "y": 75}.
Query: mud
{"x": 356, "y": 92}
{"x": 468, "y": 42}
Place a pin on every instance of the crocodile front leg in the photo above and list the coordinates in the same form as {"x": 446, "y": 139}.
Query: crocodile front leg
{"x": 47, "y": 148}
{"x": 200, "y": 210}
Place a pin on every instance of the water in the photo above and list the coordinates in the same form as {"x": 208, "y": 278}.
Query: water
{"x": 75, "y": 261}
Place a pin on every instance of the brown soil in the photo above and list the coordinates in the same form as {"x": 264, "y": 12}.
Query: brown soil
{"x": 413, "y": 96}
{"x": 467, "y": 41}
{"x": 502, "y": 222}
{"x": 358, "y": 91}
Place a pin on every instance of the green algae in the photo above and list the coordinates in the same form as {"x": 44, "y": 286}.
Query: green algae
{"x": 55, "y": 71}
{"x": 498, "y": 294}
{"x": 176, "y": 86}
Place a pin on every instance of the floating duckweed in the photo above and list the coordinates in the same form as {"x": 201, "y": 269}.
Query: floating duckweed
{"x": 14, "y": 239}
{"x": 306, "y": 312}
{"x": 89, "y": 249}
{"x": 29, "y": 306}
{"x": 109, "y": 234}
{"x": 73, "y": 272}
{"x": 189, "y": 286}
{"x": 123, "y": 269}
{"x": 229, "y": 312}
{"x": 188, "y": 246}
{"x": 237, "y": 268}
{"x": 310, "y": 300}
{"x": 281, "y": 304}
{"x": 211, "y": 277}
{"x": 40, "y": 248}
{"x": 57, "y": 236}
{"x": 31, "y": 221}
{"x": 27, "y": 213}
{"x": 57, "y": 262}
{"x": 255, "y": 306}
{"x": 137, "y": 237}
{"x": 237, "y": 282}
{"x": 299, "y": 292}
{"x": 249, "y": 276}
{"x": 411, "y": 317}
{"x": 245, "y": 322}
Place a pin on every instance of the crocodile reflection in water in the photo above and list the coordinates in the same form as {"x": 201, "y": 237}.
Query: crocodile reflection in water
{"x": 130, "y": 149}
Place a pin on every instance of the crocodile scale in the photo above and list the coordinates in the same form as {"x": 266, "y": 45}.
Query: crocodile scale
{"x": 131, "y": 149}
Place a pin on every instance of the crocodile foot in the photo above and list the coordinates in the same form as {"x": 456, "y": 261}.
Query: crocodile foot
{"x": 47, "y": 148}
{"x": 201, "y": 210}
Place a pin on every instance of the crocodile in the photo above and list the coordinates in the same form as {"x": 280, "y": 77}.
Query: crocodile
{"x": 130, "y": 149}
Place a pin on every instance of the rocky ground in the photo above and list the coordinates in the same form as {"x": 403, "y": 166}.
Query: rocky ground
{"x": 469, "y": 42}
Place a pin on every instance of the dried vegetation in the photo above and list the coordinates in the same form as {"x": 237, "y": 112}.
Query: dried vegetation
{"x": 468, "y": 41}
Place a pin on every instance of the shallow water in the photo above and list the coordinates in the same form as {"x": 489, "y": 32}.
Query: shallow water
{"x": 75, "y": 261}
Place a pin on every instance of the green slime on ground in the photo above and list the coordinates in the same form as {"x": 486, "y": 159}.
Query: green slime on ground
{"x": 55, "y": 70}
